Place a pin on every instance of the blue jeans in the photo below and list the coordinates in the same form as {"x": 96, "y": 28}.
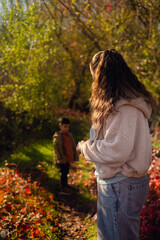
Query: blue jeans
{"x": 118, "y": 208}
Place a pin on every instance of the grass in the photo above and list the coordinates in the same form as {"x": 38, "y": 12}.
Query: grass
{"x": 35, "y": 161}
{"x": 155, "y": 143}
{"x": 91, "y": 233}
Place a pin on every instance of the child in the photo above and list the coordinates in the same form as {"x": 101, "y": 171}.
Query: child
{"x": 64, "y": 150}
{"x": 119, "y": 145}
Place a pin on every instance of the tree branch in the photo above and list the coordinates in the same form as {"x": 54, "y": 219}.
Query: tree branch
{"x": 86, "y": 31}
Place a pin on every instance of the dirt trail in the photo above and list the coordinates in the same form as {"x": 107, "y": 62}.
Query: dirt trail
{"x": 72, "y": 214}
{"x": 73, "y": 209}
{"x": 71, "y": 221}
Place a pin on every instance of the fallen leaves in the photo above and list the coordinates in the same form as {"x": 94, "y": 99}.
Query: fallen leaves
{"x": 28, "y": 191}
{"x": 26, "y": 210}
{"x": 150, "y": 215}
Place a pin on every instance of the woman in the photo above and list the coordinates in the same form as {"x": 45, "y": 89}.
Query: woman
{"x": 119, "y": 145}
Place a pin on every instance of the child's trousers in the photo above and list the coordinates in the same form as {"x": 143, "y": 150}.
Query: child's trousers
{"x": 118, "y": 208}
{"x": 64, "y": 168}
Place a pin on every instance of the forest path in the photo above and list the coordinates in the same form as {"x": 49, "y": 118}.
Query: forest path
{"x": 73, "y": 211}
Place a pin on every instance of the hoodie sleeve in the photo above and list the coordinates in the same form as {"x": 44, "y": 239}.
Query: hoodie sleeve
{"x": 118, "y": 142}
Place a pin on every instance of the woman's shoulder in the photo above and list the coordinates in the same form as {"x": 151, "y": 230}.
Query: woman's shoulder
{"x": 137, "y": 106}
{"x": 123, "y": 112}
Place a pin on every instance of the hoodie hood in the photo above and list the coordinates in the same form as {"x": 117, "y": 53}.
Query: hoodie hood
{"x": 138, "y": 103}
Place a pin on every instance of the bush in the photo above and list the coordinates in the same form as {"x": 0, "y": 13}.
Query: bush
{"x": 150, "y": 215}
{"x": 27, "y": 210}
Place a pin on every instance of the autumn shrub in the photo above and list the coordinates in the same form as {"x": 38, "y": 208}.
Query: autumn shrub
{"x": 150, "y": 215}
{"x": 27, "y": 210}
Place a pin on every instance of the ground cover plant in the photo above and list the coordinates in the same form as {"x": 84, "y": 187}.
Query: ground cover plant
{"x": 150, "y": 215}
{"x": 27, "y": 210}
{"x": 31, "y": 207}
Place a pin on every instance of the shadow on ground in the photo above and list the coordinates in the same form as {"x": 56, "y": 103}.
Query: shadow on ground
{"x": 28, "y": 167}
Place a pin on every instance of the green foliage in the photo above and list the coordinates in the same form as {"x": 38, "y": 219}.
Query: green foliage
{"x": 91, "y": 233}
{"x": 156, "y": 144}
{"x": 32, "y": 194}
{"x": 45, "y": 50}
{"x": 26, "y": 59}
{"x": 29, "y": 197}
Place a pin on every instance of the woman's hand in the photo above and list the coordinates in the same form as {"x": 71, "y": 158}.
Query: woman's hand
{"x": 78, "y": 148}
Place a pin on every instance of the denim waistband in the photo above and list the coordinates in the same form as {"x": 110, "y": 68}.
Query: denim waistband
{"x": 117, "y": 178}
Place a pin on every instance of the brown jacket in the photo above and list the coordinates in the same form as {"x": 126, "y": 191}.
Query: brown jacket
{"x": 58, "y": 153}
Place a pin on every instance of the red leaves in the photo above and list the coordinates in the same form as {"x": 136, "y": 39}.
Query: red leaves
{"x": 35, "y": 233}
{"x": 150, "y": 215}
{"x": 109, "y": 7}
{"x": 23, "y": 210}
{"x": 28, "y": 210}
{"x": 24, "y": 207}
{"x": 51, "y": 196}
{"x": 8, "y": 207}
{"x": 28, "y": 191}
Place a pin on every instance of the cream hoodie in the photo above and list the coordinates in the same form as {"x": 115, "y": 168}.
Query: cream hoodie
{"x": 122, "y": 144}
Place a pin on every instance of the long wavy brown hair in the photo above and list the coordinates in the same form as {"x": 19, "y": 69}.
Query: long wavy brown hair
{"x": 113, "y": 80}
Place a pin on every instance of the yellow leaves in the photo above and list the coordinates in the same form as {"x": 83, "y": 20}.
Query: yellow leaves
{"x": 89, "y": 21}
{"x": 87, "y": 6}
{"x": 73, "y": 1}
{"x": 85, "y": 182}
